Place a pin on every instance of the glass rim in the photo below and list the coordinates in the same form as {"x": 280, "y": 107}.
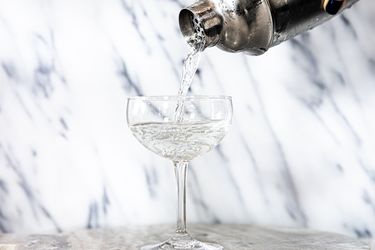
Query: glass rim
{"x": 176, "y": 97}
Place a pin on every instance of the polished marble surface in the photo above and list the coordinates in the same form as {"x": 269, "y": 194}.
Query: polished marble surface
{"x": 300, "y": 151}
{"x": 231, "y": 237}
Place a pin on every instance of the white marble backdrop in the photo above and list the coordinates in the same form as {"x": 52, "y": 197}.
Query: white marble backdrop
{"x": 301, "y": 151}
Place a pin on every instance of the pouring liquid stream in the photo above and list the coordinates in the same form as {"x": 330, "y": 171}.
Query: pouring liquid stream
{"x": 190, "y": 66}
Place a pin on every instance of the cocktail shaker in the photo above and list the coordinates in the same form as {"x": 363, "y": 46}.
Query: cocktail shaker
{"x": 254, "y": 26}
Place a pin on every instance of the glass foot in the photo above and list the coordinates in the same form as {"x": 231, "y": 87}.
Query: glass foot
{"x": 183, "y": 242}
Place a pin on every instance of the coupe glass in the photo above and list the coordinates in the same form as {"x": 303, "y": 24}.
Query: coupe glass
{"x": 180, "y": 134}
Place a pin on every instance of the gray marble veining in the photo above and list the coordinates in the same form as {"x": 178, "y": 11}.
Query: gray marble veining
{"x": 300, "y": 151}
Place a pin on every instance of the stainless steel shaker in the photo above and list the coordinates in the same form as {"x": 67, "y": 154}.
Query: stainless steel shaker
{"x": 254, "y": 26}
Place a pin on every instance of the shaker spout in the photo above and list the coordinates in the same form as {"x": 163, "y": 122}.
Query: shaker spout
{"x": 231, "y": 25}
{"x": 201, "y": 20}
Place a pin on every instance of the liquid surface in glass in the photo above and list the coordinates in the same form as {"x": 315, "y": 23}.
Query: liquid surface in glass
{"x": 180, "y": 141}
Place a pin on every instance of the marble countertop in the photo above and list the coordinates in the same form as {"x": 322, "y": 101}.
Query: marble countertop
{"x": 300, "y": 151}
{"x": 239, "y": 237}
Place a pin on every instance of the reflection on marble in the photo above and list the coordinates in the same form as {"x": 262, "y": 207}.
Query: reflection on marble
{"x": 238, "y": 237}
{"x": 300, "y": 152}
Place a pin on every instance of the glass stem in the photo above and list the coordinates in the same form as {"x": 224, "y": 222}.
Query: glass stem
{"x": 180, "y": 169}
